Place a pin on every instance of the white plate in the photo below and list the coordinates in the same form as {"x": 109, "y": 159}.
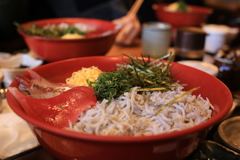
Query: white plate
{"x": 203, "y": 66}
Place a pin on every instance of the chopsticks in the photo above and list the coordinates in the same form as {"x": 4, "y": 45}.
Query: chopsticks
{"x": 135, "y": 7}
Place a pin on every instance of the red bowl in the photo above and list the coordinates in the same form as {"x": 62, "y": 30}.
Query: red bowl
{"x": 197, "y": 15}
{"x": 68, "y": 145}
{"x": 95, "y": 43}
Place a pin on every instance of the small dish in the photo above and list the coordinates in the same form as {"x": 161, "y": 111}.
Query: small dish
{"x": 229, "y": 132}
{"x": 26, "y": 61}
{"x": 203, "y": 66}
{"x": 1, "y": 79}
{"x": 10, "y": 61}
{"x": 212, "y": 150}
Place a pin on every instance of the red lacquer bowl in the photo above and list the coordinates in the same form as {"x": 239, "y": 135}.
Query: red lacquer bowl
{"x": 197, "y": 15}
{"x": 97, "y": 42}
{"x": 69, "y": 145}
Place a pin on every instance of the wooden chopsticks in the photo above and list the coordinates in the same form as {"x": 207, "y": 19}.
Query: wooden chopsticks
{"x": 135, "y": 7}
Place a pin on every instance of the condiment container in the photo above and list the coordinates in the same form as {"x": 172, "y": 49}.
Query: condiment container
{"x": 228, "y": 63}
{"x": 216, "y": 38}
{"x": 189, "y": 44}
{"x": 156, "y": 39}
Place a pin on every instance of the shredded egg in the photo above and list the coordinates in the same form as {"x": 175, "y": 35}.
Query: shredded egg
{"x": 72, "y": 36}
{"x": 80, "y": 77}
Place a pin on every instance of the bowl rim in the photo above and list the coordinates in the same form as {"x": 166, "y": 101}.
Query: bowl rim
{"x": 114, "y": 31}
{"x": 225, "y": 139}
{"x": 159, "y": 7}
{"x": 119, "y": 139}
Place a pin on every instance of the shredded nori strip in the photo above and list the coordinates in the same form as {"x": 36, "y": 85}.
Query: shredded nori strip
{"x": 147, "y": 74}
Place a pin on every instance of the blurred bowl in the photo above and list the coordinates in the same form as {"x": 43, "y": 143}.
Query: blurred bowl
{"x": 96, "y": 42}
{"x": 8, "y": 60}
{"x": 194, "y": 17}
{"x": 66, "y": 145}
{"x": 26, "y": 61}
{"x": 1, "y": 96}
{"x": 229, "y": 132}
{"x": 1, "y": 77}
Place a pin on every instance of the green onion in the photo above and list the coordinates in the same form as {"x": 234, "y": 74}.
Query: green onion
{"x": 147, "y": 74}
{"x": 174, "y": 99}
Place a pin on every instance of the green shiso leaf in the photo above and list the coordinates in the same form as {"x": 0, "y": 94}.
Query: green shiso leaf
{"x": 147, "y": 74}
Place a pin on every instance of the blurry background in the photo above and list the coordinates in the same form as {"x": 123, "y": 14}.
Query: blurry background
{"x": 225, "y": 12}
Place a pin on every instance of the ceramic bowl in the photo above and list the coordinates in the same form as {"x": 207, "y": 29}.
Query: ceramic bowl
{"x": 68, "y": 145}
{"x": 26, "y": 61}
{"x": 1, "y": 79}
{"x": 197, "y": 15}
{"x": 10, "y": 61}
{"x": 229, "y": 132}
{"x": 203, "y": 66}
{"x": 96, "y": 42}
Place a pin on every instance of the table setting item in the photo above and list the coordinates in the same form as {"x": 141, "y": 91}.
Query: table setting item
{"x": 16, "y": 64}
{"x": 194, "y": 16}
{"x": 156, "y": 39}
{"x": 98, "y": 38}
{"x": 229, "y": 133}
{"x": 1, "y": 90}
{"x": 203, "y": 66}
{"x": 71, "y": 138}
{"x": 10, "y": 61}
{"x": 189, "y": 44}
{"x": 216, "y": 37}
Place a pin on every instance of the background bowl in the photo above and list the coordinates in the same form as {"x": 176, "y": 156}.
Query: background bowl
{"x": 66, "y": 145}
{"x": 197, "y": 15}
{"x": 96, "y": 42}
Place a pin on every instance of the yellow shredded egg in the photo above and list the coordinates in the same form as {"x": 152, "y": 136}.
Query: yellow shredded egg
{"x": 79, "y": 78}
{"x": 72, "y": 36}
{"x": 173, "y": 7}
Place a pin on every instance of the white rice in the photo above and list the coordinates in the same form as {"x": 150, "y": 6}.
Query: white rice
{"x": 133, "y": 114}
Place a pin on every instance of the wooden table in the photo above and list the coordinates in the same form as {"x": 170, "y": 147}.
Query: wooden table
{"x": 135, "y": 49}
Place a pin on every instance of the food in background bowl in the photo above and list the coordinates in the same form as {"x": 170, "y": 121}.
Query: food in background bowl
{"x": 192, "y": 16}
{"x": 179, "y": 6}
{"x": 96, "y": 41}
{"x": 65, "y": 144}
{"x": 62, "y": 30}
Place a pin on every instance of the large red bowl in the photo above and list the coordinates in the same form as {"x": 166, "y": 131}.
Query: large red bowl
{"x": 69, "y": 145}
{"x": 97, "y": 42}
{"x": 195, "y": 17}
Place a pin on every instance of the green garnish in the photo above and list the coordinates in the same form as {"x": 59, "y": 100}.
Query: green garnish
{"x": 60, "y": 106}
{"x": 144, "y": 73}
{"x": 52, "y": 31}
{"x": 174, "y": 99}
{"x": 182, "y": 6}
{"x": 111, "y": 84}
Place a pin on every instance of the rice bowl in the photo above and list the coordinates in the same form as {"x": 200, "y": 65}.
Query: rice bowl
{"x": 65, "y": 144}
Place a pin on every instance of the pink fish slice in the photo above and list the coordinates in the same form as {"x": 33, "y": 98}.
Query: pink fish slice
{"x": 38, "y": 87}
{"x": 60, "y": 110}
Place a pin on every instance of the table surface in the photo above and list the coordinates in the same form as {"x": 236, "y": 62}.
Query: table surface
{"x": 39, "y": 153}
